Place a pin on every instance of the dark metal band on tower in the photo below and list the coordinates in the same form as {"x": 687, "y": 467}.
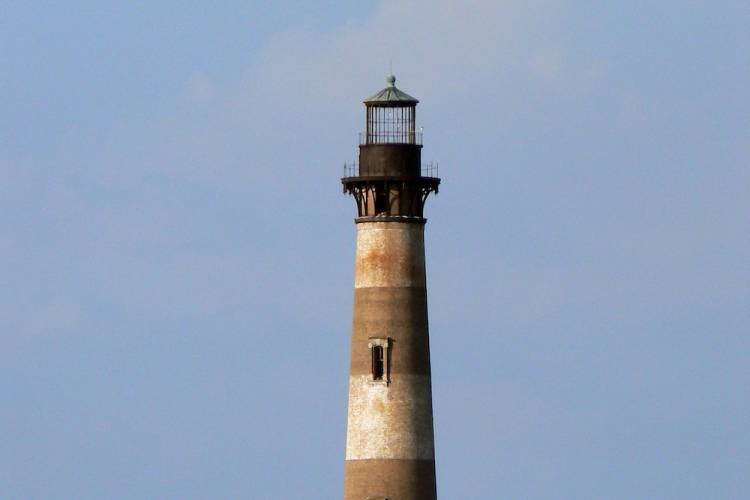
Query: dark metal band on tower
{"x": 390, "y": 452}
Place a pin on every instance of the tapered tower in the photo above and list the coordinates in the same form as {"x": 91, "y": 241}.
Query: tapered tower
{"x": 390, "y": 451}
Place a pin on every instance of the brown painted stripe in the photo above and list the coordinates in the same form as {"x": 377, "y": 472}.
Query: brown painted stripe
{"x": 393, "y": 479}
{"x": 396, "y": 312}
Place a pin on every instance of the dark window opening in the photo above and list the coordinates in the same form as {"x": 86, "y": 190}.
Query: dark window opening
{"x": 381, "y": 200}
{"x": 377, "y": 362}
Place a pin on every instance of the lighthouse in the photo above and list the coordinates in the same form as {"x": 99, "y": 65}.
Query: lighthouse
{"x": 390, "y": 447}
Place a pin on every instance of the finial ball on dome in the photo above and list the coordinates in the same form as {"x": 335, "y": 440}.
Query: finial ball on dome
{"x": 391, "y": 80}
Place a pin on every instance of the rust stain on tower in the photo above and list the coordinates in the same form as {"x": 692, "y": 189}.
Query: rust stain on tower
{"x": 390, "y": 450}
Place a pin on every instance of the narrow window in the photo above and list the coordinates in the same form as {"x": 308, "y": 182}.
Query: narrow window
{"x": 380, "y": 354}
{"x": 377, "y": 362}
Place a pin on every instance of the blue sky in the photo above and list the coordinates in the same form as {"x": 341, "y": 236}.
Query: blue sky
{"x": 177, "y": 257}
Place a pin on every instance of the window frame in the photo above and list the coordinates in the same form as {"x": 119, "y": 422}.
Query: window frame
{"x": 385, "y": 344}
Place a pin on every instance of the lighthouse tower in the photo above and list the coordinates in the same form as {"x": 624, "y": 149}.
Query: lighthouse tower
{"x": 390, "y": 451}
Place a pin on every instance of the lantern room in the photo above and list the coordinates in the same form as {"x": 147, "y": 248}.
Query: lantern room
{"x": 391, "y": 117}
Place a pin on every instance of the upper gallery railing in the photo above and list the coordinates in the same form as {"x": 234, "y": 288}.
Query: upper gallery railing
{"x": 426, "y": 170}
{"x": 397, "y": 137}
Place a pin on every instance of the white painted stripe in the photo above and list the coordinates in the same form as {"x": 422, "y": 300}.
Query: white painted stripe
{"x": 390, "y": 422}
{"x": 389, "y": 254}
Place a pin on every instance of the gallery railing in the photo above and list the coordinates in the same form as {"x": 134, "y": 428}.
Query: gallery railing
{"x": 397, "y": 137}
{"x": 427, "y": 169}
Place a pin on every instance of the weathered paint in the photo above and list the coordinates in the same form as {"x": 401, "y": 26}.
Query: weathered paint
{"x": 390, "y": 443}
{"x": 389, "y": 254}
{"x": 390, "y": 421}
